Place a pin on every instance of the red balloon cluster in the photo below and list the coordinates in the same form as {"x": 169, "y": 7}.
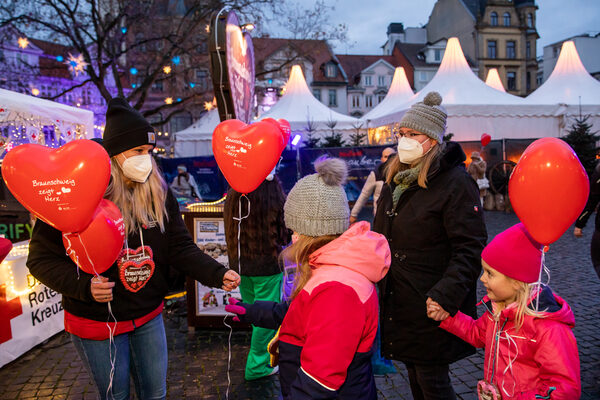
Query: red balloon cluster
{"x": 247, "y": 153}
{"x": 65, "y": 187}
{"x": 548, "y": 189}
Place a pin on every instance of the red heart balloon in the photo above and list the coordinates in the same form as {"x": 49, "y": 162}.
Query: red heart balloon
{"x": 96, "y": 248}
{"x": 284, "y": 128}
{"x": 60, "y": 186}
{"x": 246, "y": 153}
{"x": 548, "y": 189}
{"x": 485, "y": 139}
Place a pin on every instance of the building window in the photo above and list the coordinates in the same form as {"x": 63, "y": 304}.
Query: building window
{"x": 530, "y": 20}
{"x": 423, "y": 76}
{"x": 528, "y": 80}
{"x": 556, "y": 51}
{"x": 330, "y": 70}
{"x": 356, "y": 101}
{"x": 437, "y": 54}
{"x": 157, "y": 86}
{"x": 202, "y": 78}
{"x": 506, "y": 19}
{"x": 317, "y": 94}
{"x": 380, "y": 98}
{"x": 369, "y": 101}
{"x": 528, "y": 50}
{"x": 494, "y": 19}
{"x": 510, "y": 49}
{"x": 367, "y": 80}
{"x": 491, "y": 49}
{"x": 511, "y": 80}
{"x": 332, "y": 98}
{"x": 381, "y": 80}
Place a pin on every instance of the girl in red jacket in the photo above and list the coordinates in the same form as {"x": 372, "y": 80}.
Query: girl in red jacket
{"x": 530, "y": 349}
{"x": 326, "y": 335}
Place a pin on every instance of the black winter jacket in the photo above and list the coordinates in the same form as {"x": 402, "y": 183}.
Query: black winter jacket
{"x": 592, "y": 202}
{"x": 436, "y": 236}
{"x": 175, "y": 247}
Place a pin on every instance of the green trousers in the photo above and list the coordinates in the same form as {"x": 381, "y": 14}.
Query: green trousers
{"x": 254, "y": 288}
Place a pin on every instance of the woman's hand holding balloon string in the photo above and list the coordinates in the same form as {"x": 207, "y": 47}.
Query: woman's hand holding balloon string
{"x": 101, "y": 289}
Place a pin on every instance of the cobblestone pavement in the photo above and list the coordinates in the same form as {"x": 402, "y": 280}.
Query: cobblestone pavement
{"x": 198, "y": 360}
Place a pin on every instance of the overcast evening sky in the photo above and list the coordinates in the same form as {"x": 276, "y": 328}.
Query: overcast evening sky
{"x": 367, "y": 20}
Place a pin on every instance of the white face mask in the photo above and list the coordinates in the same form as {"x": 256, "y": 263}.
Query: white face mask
{"x": 137, "y": 168}
{"x": 410, "y": 150}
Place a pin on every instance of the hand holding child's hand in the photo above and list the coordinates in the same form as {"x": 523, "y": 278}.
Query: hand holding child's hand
{"x": 231, "y": 280}
{"x": 435, "y": 311}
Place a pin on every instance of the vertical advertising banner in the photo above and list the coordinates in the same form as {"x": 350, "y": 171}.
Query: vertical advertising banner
{"x": 206, "y": 173}
{"x": 209, "y": 235}
{"x": 29, "y": 311}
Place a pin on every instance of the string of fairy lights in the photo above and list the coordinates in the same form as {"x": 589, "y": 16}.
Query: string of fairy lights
{"x": 17, "y": 252}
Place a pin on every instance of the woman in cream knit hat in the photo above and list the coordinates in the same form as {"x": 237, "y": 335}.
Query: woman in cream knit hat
{"x": 430, "y": 212}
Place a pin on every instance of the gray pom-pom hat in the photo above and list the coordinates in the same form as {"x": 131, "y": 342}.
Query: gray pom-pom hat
{"x": 317, "y": 204}
{"x": 427, "y": 117}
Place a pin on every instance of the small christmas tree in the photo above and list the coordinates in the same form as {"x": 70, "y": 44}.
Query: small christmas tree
{"x": 358, "y": 137}
{"x": 335, "y": 139}
{"x": 312, "y": 140}
{"x": 583, "y": 141}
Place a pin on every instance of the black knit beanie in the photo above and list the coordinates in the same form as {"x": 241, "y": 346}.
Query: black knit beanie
{"x": 125, "y": 128}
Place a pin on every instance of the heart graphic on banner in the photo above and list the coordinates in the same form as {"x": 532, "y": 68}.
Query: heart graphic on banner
{"x": 246, "y": 153}
{"x": 101, "y": 241}
{"x": 136, "y": 271}
{"x": 36, "y": 174}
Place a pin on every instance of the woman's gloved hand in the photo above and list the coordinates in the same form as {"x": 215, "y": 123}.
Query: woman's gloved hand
{"x": 237, "y": 307}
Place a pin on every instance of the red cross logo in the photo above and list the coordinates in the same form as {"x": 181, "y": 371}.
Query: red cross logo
{"x": 8, "y": 311}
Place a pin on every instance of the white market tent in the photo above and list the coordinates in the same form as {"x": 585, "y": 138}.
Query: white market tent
{"x": 493, "y": 80}
{"x": 23, "y": 109}
{"x": 298, "y": 106}
{"x": 399, "y": 93}
{"x": 475, "y": 108}
{"x": 571, "y": 88}
{"x": 196, "y": 140}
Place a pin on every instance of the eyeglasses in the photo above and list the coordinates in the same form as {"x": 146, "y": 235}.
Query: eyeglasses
{"x": 407, "y": 134}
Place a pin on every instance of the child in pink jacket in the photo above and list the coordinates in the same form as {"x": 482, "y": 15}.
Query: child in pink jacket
{"x": 530, "y": 349}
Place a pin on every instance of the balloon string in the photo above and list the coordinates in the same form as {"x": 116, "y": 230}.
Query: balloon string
{"x": 73, "y": 255}
{"x": 111, "y": 344}
{"x": 229, "y": 356}
{"x": 539, "y": 281}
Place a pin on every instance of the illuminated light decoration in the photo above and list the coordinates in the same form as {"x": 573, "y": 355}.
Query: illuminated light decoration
{"x": 192, "y": 84}
{"x": 16, "y": 252}
{"x": 296, "y": 140}
{"x": 169, "y": 100}
{"x": 249, "y": 27}
{"x": 211, "y": 204}
{"x": 166, "y": 133}
{"x": 208, "y": 105}
{"x": 178, "y": 99}
{"x": 23, "y": 42}
{"x": 76, "y": 64}
{"x": 270, "y": 81}
{"x": 123, "y": 30}
{"x": 133, "y": 85}
{"x": 60, "y": 58}
{"x": 176, "y": 60}
{"x": 167, "y": 69}
{"x": 133, "y": 71}
{"x": 35, "y": 92}
{"x": 207, "y": 28}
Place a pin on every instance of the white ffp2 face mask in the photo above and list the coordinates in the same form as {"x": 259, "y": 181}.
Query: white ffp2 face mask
{"x": 137, "y": 168}
{"x": 409, "y": 150}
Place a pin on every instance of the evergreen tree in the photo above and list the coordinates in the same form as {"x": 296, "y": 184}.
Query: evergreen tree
{"x": 584, "y": 142}
{"x": 334, "y": 139}
{"x": 311, "y": 140}
{"x": 358, "y": 137}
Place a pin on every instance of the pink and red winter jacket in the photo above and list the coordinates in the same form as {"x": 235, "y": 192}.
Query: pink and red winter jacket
{"x": 540, "y": 356}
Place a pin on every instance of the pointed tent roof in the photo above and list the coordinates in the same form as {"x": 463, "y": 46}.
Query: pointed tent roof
{"x": 202, "y": 129}
{"x": 298, "y": 105}
{"x": 400, "y": 92}
{"x": 493, "y": 80}
{"x": 568, "y": 82}
{"x": 457, "y": 84}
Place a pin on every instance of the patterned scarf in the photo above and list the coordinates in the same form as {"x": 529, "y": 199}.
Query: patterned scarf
{"x": 403, "y": 179}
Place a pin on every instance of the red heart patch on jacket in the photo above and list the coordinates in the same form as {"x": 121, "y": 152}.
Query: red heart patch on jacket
{"x": 246, "y": 153}
{"x": 136, "y": 267}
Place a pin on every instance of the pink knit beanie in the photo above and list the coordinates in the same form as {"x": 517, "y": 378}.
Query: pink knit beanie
{"x": 515, "y": 254}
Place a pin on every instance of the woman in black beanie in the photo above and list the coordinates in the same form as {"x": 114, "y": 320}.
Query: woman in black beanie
{"x": 131, "y": 291}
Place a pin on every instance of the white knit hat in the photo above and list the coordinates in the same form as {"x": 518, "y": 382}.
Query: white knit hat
{"x": 317, "y": 204}
{"x": 427, "y": 117}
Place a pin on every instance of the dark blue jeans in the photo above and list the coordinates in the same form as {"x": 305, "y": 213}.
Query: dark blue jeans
{"x": 430, "y": 382}
{"x": 141, "y": 354}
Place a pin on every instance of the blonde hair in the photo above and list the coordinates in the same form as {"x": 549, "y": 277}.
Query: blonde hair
{"x": 140, "y": 203}
{"x": 525, "y": 294}
{"x": 299, "y": 254}
{"x": 425, "y": 162}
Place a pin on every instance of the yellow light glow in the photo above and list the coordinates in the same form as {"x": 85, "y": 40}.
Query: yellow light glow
{"x": 208, "y": 105}
{"x": 169, "y": 100}
{"x": 167, "y": 69}
{"x": 35, "y": 92}
{"x": 207, "y": 28}
{"x": 202, "y": 204}
{"x": 23, "y": 42}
